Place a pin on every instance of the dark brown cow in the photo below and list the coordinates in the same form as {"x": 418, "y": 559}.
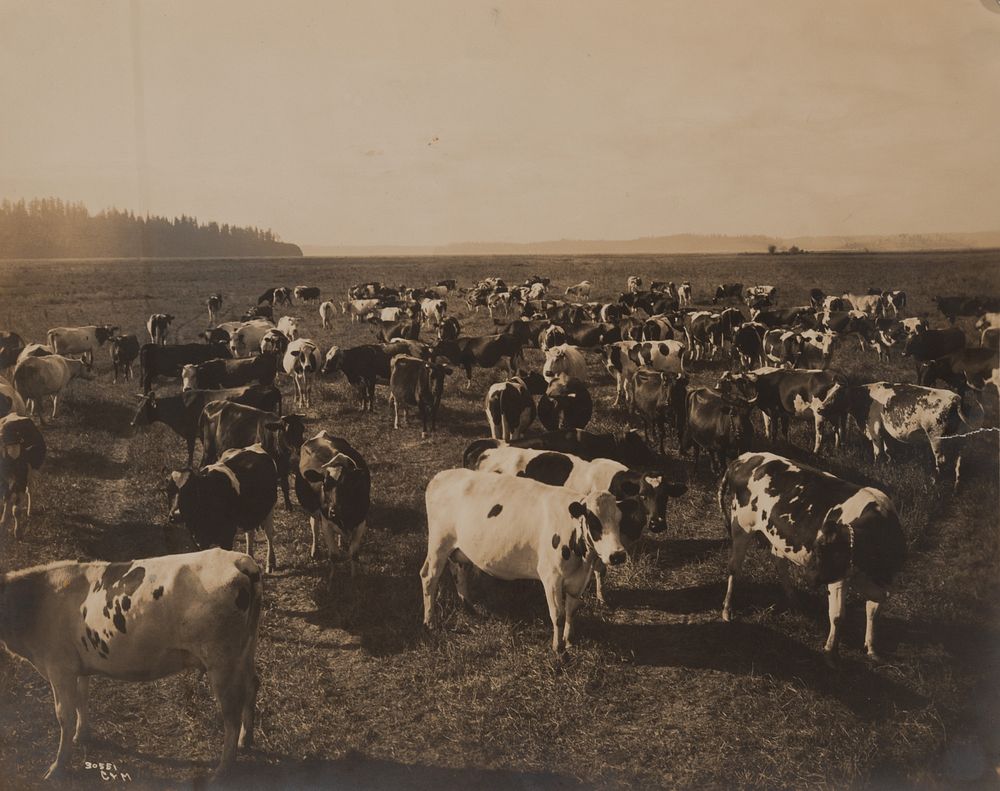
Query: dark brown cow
{"x": 484, "y": 352}
{"x": 718, "y": 425}
{"x": 415, "y": 382}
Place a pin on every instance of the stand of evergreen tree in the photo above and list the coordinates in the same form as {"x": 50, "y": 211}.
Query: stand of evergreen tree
{"x": 52, "y": 228}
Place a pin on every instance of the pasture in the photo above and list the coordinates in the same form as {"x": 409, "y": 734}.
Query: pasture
{"x": 658, "y": 692}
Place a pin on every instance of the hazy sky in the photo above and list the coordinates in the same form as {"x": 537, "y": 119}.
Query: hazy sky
{"x": 427, "y": 121}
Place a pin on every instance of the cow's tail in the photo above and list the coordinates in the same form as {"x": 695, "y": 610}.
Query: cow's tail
{"x": 50, "y": 339}
{"x": 974, "y": 419}
{"x": 721, "y": 497}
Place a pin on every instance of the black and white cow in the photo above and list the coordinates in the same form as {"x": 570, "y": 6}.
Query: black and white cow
{"x": 362, "y": 366}
{"x": 626, "y": 447}
{"x": 169, "y": 361}
{"x": 911, "y": 414}
{"x": 11, "y": 346}
{"x": 566, "y": 404}
{"x": 514, "y": 528}
{"x": 235, "y": 494}
{"x": 624, "y": 358}
{"x": 334, "y": 487}
{"x": 306, "y": 293}
{"x": 124, "y": 353}
{"x": 158, "y": 325}
{"x": 783, "y": 347}
{"x": 510, "y": 409}
{"x": 301, "y": 361}
{"x": 214, "y": 305}
{"x": 485, "y": 351}
{"x": 22, "y": 449}
{"x": 139, "y": 621}
{"x": 845, "y": 535}
{"x": 728, "y": 291}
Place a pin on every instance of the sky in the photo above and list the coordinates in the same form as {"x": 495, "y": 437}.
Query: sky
{"x": 425, "y": 122}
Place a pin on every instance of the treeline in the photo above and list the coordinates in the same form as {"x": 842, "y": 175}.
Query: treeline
{"x": 52, "y": 228}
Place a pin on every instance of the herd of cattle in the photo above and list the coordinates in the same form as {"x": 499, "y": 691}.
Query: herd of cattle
{"x": 558, "y": 506}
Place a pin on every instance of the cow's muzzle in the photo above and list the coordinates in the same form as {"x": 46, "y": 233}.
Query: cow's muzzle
{"x": 617, "y": 558}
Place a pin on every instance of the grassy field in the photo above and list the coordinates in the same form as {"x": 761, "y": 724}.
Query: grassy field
{"x": 659, "y": 691}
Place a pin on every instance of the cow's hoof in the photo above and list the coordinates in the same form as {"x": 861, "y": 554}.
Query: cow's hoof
{"x": 55, "y": 772}
{"x": 874, "y": 657}
{"x": 727, "y": 616}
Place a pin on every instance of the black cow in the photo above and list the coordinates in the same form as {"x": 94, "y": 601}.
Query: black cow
{"x": 785, "y": 317}
{"x": 932, "y": 345}
{"x": 276, "y": 296}
{"x": 728, "y": 291}
{"x": 484, "y": 351}
{"x": 225, "y": 425}
{"x": 526, "y": 330}
{"x": 590, "y": 336}
{"x": 626, "y": 448}
{"x": 214, "y": 374}
{"x": 953, "y": 307}
{"x": 182, "y": 412}
{"x": 11, "y": 345}
{"x": 658, "y": 400}
{"x": 264, "y": 311}
{"x": 718, "y": 425}
{"x": 963, "y": 369}
{"x": 566, "y": 405}
{"x": 449, "y": 329}
{"x": 333, "y": 485}
{"x": 306, "y": 293}
{"x": 235, "y": 494}
{"x": 748, "y": 343}
{"x": 215, "y": 335}
{"x": 387, "y": 330}
{"x": 22, "y": 449}
{"x": 362, "y": 366}
{"x": 124, "y": 352}
{"x": 169, "y": 361}
{"x": 419, "y": 383}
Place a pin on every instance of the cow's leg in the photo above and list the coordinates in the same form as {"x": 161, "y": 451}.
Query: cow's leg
{"x": 768, "y": 426}
{"x": 430, "y": 576}
{"x": 738, "y": 553}
{"x": 355, "y": 545}
{"x": 835, "y": 592}
{"x": 55, "y": 405}
{"x": 555, "y": 597}
{"x": 600, "y": 572}
{"x": 64, "y": 693}
{"x": 16, "y": 510}
{"x": 937, "y": 450}
{"x": 818, "y": 423}
{"x": 461, "y": 571}
{"x": 958, "y": 467}
{"x": 571, "y": 604}
{"x": 268, "y": 527}
{"x": 395, "y": 409}
{"x": 251, "y": 685}
{"x": 230, "y": 691}
{"x": 82, "y": 733}
{"x": 313, "y": 551}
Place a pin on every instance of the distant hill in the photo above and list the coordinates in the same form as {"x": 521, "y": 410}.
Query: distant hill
{"x": 682, "y": 243}
{"x": 52, "y": 228}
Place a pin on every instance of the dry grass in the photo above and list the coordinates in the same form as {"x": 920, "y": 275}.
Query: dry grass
{"x": 659, "y": 693}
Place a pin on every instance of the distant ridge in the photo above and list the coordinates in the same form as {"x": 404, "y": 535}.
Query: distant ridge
{"x": 679, "y": 243}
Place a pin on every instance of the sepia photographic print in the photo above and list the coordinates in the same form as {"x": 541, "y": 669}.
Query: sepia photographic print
{"x": 444, "y": 394}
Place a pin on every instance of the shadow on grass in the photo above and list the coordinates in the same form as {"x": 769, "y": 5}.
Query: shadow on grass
{"x": 122, "y": 540}
{"x": 396, "y": 519}
{"x": 82, "y": 460}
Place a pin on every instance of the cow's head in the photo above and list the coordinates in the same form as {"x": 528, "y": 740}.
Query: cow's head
{"x": 600, "y": 518}
{"x": 104, "y": 332}
{"x": 741, "y": 386}
{"x": 146, "y": 413}
{"x": 189, "y": 377}
{"x": 653, "y": 491}
{"x": 291, "y": 434}
{"x": 334, "y": 481}
{"x": 173, "y": 484}
{"x": 274, "y": 342}
{"x": 306, "y": 357}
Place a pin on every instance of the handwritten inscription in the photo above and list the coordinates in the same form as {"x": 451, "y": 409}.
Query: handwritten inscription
{"x": 110, "y": 773}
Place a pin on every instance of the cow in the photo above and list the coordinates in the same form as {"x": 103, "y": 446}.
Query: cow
{"x": 484, "y": 351}
{"x": 274, "y": 343}
{"x": 964, "y": 369}
{"x": 564, "y": 359}
{"x": 895, "y": 301}
{"x": 138, "y": 621}
{"x": 953, "y": 307}
{"x": 289, "y": 327}
{"x": 220, "y": 334}
{"x": 748, "y": 343}
{"x": 360, "y": 308}
{"x": 385, "y": 331}
{"x": 391, "y": 315}
{"x": 35, "y": 378}
{"x": 784, "y": 317}
{"x": 449, "y": 284}
{"x": 650, "y": 490}
{"x": 816, "y": 298}
{"x": 913, "y": 326}
{"x": 658, "y": 400}
{"x": 364, "y": 290}
{"x": 245, "y": 339}
{"x": 550, "y": 337}
{"x": 566, "y": 404}
{"x": 684, "y": 294}
{"x": 783, "y": 347}
{"x": 157, "y": 326}
{"x": 716, "y": 424}
{"x": 727, "y": 291}
{"x": 234, "y": 495}
{"x": 306, "y": 293}
{"x": 931, "y": 345}
{"x": 22, "y": 449}
{"x": 276, "y": 296}
{"x": 627, "y": 447}
{"x": 869, "y": 304}
{"x": 169, "y": 361}
{"x": 768, "y": 294}
{"x": 124, "y": 353}
{"x": 214, "y": 305}
{"x": 10, "y": 400}
{"x": 624, "y": 358}
{"x": 634, "y": 284}
{"x": 449, "y": 329}
{"x": 326, "y": 313}
{"x": 656, "y": 328}
{"x": 362, "y": 366}
{"x": 258, "y": 312}
{"x": 419, "y": 383}
{"x": 818, "y": 343}
{"x": 833, "y": 304}
{"x": 11, "y": 346}
{"x": 301, "y": 362}
{"x": 780, "y": 393}
{"x": 182, "y": 412}
{"x": 515, "y": 528}
{"x": 333, "y": 485}
{"x": 845, "y": 535}
{"x": 433, "y": 310}
{"x": 985, "y": 323}
{"x": 703, "y": 333}
{"x": 581, "y": 290}
{"x": 912, "y": 414}
{"x": 510, "y": 409}
{"x": 590, "y": 336}
{"x": 80, "y": 340}
{"x": 215, "y": 374}
{"x": 224, "y": 425}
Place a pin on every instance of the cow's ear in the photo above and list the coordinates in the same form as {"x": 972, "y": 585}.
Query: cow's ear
{"x": 294, "y": 352}
{"x": 313, "y": 476}
{"x": 577, "y": 509}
